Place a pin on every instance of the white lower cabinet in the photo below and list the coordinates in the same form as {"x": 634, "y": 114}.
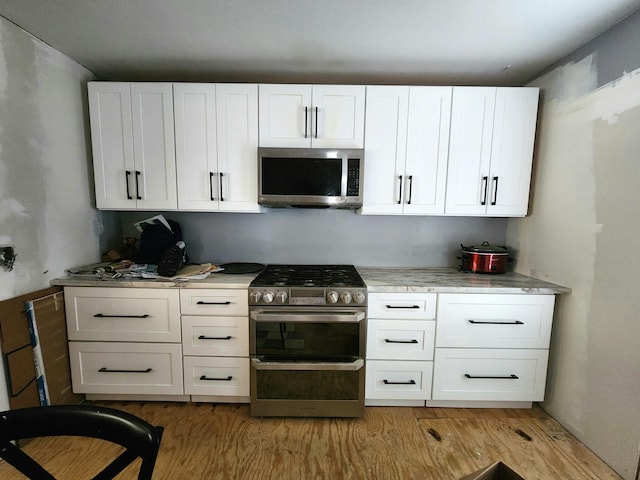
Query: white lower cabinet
{"x": 492, "y": 347}
{"x": 215, "y": 343}
{"x": 400, "y": 345}
{"x": 125, "y": 342}
{"x": 490, "y": 374}
{"x": 159, "y": 343}
{"x": 216, "y": 376}
{"x": 126, "y": 368}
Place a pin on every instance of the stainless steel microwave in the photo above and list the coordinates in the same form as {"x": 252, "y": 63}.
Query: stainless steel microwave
{"x": 310, "y": 177}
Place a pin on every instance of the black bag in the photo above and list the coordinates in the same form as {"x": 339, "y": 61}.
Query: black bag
{"x": 155, "y": 240}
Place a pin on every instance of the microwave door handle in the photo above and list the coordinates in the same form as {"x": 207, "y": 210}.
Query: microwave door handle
{"x": 306, "y": 121}
{"x": 308, "y": 317}
{"x": 327, "y": 366}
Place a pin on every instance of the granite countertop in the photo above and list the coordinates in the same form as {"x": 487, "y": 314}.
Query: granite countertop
{"x": 450, "y": 280}
{"x": 378, "y": 279}
{"x": 214, "y": 280}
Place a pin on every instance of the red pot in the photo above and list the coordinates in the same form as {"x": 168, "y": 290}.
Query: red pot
{"x": 484, "y": 258}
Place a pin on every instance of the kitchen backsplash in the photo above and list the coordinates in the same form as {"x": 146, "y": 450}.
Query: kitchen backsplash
{"x": 327, "y": 236}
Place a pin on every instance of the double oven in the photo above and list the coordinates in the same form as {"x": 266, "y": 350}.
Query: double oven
{"x": 307, "y": 341}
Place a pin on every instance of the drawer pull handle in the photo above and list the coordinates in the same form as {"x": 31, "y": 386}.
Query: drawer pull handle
{"x": 202, "y": 302}
{"x": 495, "y": 322}
{"x": 388, "y": 340}
{"x": 227, "y": 379}
{"x": 108, "y": 370}
{"x": 388, "y": 382}
{"x": 204, "y": 337}
{"x": 508, "y": 377}
{"x": 402, "y": 306}
{"x": 102, "y": 315}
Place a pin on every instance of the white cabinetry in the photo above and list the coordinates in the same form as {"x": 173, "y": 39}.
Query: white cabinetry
{"x": 406, "y": 149}
{"x": 133, "y": 145}
{"x": 491, "y": 150}
{"x": 216, "y": 129}
{"x": 215, "y": 337}
{"x": 319, "y": 116}
{"x": 492, "y": 347}
{"x": 400, "y": 344}
{"x": 124, "y": 341}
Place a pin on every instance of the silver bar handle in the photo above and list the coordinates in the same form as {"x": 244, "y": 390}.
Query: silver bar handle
{"x": 326, "y": 366}
{"x": 308, "y": 317}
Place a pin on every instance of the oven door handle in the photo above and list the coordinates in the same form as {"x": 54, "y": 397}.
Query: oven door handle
{"x": 333, "y": 366}
{"x": 289, "y": 316}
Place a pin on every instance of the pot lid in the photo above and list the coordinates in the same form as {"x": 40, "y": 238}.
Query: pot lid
{"x": 485, "y": 247}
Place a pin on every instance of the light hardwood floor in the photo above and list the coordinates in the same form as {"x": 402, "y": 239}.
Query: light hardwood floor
{"x": 218, "y": 441}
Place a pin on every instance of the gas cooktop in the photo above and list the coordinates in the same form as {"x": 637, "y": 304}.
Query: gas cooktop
{"x": 309, "y": 276}
{"x": 307, "y": 285}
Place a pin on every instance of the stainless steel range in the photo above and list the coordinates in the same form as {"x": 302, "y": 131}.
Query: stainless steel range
{"x": 307, "y": 341}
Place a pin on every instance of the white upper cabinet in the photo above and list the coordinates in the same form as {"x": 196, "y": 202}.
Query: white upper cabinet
{"x": 237, "y": 121}
{"x": 216, "y": 145}
{"x": 133, "y": 145}
{"x": 406, "y": 148}
{"x": 319, "y": 116}
{"x": 491, "y": 150}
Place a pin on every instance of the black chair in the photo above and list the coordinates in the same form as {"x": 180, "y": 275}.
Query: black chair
{"x": 139, "y": 438}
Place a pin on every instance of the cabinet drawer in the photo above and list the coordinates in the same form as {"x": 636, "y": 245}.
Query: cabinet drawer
{"x": 402, "y": 305}
{"x": 398, "y": 380}
{"x": 400, "y": 339}
{"x": 222, "y": 301}
{"x": 216, "y": 376}
{"x": 215, "y": 336}
{"x": 485, "y": 374}
{"x": 122, "y": 314}
{"x": 140, "y": 368}
{"x": 494, "y": 321}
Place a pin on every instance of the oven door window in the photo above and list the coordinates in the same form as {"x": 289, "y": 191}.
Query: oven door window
{"x": 323, "y": 341}
{"x": 314, "y": 383}
{"x": 302, "y": 176}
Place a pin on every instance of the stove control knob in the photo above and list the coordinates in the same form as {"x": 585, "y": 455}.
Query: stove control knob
{"x": 281, "y": 297}
{"x": 359, "y": 298}
{"x": 267, "y": 297}
{"x": 345, "y": 297}
{"x": 332, "y": 297}
{"x": 255, "y": 296}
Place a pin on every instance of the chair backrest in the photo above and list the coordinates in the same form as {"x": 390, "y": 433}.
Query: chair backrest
{"x": 139, "y": 438}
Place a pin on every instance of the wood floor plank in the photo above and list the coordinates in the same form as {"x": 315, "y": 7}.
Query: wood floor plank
{"x": 207, "y": 441}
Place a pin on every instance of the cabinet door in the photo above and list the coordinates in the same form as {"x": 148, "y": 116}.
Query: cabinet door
{"x": 512, "y": 150}
{"x": 427, "y": 150}
{"x": 196, "y": 151}
{"x": 337, "y": 116}
{"x": 399, "y": 380}
{"x": 237, "y": 120}
{"x": 123, "y": 368}
{"x": 489, "y": 375}
{"x": 153, "y": 146}
{"x": 385, "y": 149}
{"x": 494, "y": 320}
{"x": 472, "y": 113}
{"x": 285, "y": 115}
{"x": 112, "y": 143}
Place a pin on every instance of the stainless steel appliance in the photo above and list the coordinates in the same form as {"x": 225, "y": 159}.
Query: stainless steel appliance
{"x": 307, "y": 341}
{"x": 310, "y": 177}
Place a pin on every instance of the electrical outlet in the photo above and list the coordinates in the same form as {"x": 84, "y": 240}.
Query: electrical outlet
{"x": 7, "y": 256}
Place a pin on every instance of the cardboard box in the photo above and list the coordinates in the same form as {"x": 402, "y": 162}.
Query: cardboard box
{"x": 497, "y": 471}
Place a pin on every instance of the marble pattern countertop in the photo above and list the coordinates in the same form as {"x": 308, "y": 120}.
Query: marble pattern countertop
{"x": 378, "y": 279}
{"x": 214, "y": 280}
{"x": 450, "y": 280}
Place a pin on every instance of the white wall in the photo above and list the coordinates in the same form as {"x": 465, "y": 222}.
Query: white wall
{"x": 45, "y": 188}
{"x": 583, "y": 232}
